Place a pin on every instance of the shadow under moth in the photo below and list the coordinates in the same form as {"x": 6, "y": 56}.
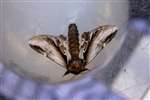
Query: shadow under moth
{"x": 75, "y": 51}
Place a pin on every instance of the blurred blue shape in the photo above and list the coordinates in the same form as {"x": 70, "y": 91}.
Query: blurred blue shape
{"x": 87, "y": 89}
{"x": 140, "y": 25}
{"x": 18, "y": 88}
{"x": 8, "y": 83}
{"x": 1, "y": 69}
{"x": 27, "y": 90}
{"x": 47, "y": 93}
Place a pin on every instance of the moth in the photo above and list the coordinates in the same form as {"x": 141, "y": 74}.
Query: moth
{"x": 75, "y": 51}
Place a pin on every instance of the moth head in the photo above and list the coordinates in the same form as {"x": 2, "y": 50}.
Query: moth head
{"x": 72, "y": 26}
{"x": 75, "y": 67}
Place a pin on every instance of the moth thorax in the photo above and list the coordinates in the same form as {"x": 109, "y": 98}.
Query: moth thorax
{"x": 76, "y": 66}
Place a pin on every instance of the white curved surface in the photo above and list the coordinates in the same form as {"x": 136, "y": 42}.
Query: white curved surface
{"x": 25, "y": 19}
{"x": 132, "y": 81}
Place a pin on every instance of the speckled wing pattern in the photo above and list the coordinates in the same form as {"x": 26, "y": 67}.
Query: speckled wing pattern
{"x": 92, "y": 42}
{"x": 51, "y": 47}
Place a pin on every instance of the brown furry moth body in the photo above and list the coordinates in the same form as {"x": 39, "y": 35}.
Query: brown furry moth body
{"x": 76, "y": 51}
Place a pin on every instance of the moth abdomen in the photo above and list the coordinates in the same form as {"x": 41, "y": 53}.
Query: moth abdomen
{"x": 73, "y": 39}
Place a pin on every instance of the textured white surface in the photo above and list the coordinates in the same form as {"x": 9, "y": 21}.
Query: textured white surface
{"x": 134, "y": 78}
{"x": 25, "y": 19}
{"x": 79, "y": 90}
{"x": 132, "y": 81}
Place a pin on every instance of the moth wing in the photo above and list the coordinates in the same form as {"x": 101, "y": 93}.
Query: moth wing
{"x": 94, "y": 41}
{"x": 48, "y": 46}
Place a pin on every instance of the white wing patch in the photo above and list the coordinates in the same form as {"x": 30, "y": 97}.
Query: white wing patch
{"x": 52, "y": 47}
